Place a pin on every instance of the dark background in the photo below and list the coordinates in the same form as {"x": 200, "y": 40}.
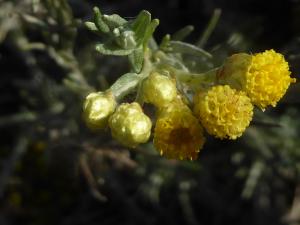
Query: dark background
{"x": 55, "y": 171}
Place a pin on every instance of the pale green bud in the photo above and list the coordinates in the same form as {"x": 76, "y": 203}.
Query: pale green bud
{"x": 129, "y": 125}
{"x": 159, "y": 89}
{"x": 97, "y": 107}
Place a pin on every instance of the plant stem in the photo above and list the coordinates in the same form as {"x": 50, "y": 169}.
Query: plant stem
{"x": 194, "y": 79}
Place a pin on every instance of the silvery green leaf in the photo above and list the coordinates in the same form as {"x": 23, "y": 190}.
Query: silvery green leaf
{"x": 125, "y": 84}
{"x": 91, "y": 26}
{"x": 140, "y": 25}
{"x": 113, "y": 21}
{"x": 33, "y": 20}
{"x": 112, "y": 49}
{"x": 209, "y": 28}
{"x": 182, "y": 33}
{"x": 165, "y": 43}
{"x": 150, "y": 30}
{"x": 136, "y": 59}
{"x": 185, "y": 48}
{"x": 98, "y": 19}
{"x": 126, "y": 39}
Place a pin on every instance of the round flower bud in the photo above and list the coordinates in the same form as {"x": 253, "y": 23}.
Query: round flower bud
{"x": 159, "y": 89}
{"x": 97, "y": 107}
{"x": 265, "y": 77}
{"x": 224, "y": 112}
{"x": 129, "y": 125}
{"x": 178, "y": 134}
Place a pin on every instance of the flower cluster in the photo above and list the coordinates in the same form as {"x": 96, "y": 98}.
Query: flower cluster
{"x": 223, "y": 109}
{"x": 177, "y": 133}
{"x": 219, "y": 102}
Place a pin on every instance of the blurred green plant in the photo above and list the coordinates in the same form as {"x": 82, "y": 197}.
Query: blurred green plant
{"x": 51, "y": 147}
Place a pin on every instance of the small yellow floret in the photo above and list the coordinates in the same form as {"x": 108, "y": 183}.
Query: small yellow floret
{"x": 178, "y": 134}
{"x": 97, "y": 107}
{"x": 129, "y": 125}
{"x": 223, "y": 111}
{"x": 159, "y": 89}
{"x": 265, "y": 77}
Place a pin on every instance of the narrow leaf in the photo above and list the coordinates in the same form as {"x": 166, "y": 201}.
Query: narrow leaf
{"x": 182, "y": 33}
{"x": 209, "y": 28}
{"x": 140, "y": 20}
{"x": 165, "y": 43}
{"x": 111, "y": 49}
{"x": 185, "y": 48}
{"x": 33, "y": 20}
{"x": 140, "y": 25}
{"x": 91, "y": 26}
{"x": 125, "y": 84}
{"x": 150, "y": 30}
{"x": 100, "y": 24}
{"x": 114, "y": 21}
{"x": 136, "y": 59}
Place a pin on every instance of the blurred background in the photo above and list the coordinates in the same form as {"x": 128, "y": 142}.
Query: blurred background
{"x": 53, "y": 170}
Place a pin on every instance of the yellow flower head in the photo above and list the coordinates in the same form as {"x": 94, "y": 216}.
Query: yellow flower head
{"x": 159, "y": 90}
{"x": 97, "y": 107}
{"x": 129, "y": 125}
{"x": 224, "y": 112}
{"x": 178, "y": 134}
{"x": 265, "y": 77}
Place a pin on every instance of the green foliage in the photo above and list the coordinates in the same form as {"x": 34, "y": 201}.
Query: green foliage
{"x": 124, "y": 37}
